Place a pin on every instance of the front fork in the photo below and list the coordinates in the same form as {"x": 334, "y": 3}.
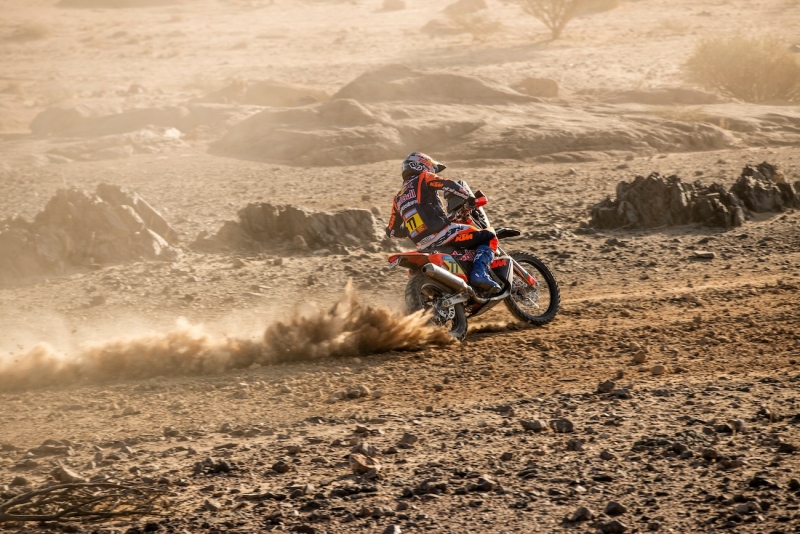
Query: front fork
{"x": 530, "y": 280}
{"x": 522, "y": 273}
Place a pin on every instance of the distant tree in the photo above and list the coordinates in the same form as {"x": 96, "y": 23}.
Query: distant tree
{"x": 555, "y": 14}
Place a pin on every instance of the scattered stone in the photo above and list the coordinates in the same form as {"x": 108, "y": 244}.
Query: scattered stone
{"x": 67, "y": 476}
{"x": 581, "y": 514}
{"x": 623, "y": 393}
{"x": 613, "y": 527}
{"x": 562, "y": 426}
{"x": 506, "y": 456}
{"x": 211, "y": 505}
{"x": 704, "y": 255}
{"x": 392, "y": 529}
{"x": 575, "y": 445}
{"x": 407, "y": 441}
{"x": 658, "y": 370}
{"x": 607, "y": 455}
{"x": 606, "y": 387}
{"x": 614, "y": 508}
{"x": 363, "y": 465}
{"x": 281, "y": 467}
{"x": 536, "y": 425}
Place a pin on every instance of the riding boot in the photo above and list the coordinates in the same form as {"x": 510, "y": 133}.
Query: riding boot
{"x": 480, "y": 277}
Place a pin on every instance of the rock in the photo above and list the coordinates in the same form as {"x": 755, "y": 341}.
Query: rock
{"x": 211, "y": 505}
{"x": 760, "y": 481}
{"x": 362, "y": 465}
{"x": 710, "y": 455}
{"x": 366, "y": 449}
{"x": 607, "y": 455}
{"x": 613, "y": 527}
{"x": 614, "y": 508}
{"x": 67, "y": 476}
{"x": 407, "y": 441}
{"x": 19, "y": 481}
{"x": 787, "y": 448}
{"x": 264, "y": 223}
{"x": 747, "y": 508}
{"x": 623, "y": 393}
{"x": 763, "y": 188}
{"x": 581, "y": 514}
{"x": 392, "y": 529}
{"x": 506, "y": 456}
{"x": 575, "y": 445}
{"x": 704, "y": 255}
{"x": 485, "y": 483}
{"x": 80, "y": 229}
{"x": 281, "y": 467}
{"x": 658, "y": 370}
{"x": 536, "y": 425}
{"x": 667, "y": 201}
{"x": 640, "y": 357}
{"x": 562, "y": 426}
{"x": 606, "y": 387}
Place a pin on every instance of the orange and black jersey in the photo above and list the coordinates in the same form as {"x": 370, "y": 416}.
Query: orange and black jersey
{"x": 417, "y": 211}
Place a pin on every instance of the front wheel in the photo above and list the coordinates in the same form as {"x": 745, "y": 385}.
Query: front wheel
{"x": 538, "y": 305}
{"x": 425, "y": 293}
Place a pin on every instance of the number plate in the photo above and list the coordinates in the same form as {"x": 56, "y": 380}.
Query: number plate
{"x": 414, "y": 224}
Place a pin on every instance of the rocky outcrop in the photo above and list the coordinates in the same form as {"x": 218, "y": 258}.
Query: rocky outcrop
{"x": 78, "y": 228}
{"x": 657, "y": 201}
{"x": 263, "y": 224}
{"x": 764, "y": 188}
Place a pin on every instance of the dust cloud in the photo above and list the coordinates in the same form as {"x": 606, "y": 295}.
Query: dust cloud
{"x": 349, "y": 328}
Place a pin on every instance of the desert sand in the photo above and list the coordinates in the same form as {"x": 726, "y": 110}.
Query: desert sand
{"x": 278, "y": 386}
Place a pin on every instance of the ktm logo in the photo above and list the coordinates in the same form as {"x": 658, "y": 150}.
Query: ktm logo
{"x": 463, "y": 237}
{"x": 436, "y": 184}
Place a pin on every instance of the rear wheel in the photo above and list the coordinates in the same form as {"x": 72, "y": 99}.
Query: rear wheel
{"x": 538, "y": 305}
{"x": 425, "y": 293}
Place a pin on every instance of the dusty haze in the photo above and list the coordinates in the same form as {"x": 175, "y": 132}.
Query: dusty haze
{"x": 200, "y": 109}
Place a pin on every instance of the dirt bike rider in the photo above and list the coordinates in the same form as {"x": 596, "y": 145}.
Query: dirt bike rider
{"x": 417, "y": 213}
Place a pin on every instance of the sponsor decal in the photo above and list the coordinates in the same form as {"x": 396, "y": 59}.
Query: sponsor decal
{"x": 405, "y": 194}
{"x": 408, "y": 205}
{"x": 464, "y": 255}
{"x": 452, "y": 265}
{"x": 414, "y": 224}
{"x": 464, "y": 237}
{"x": 499, "y": 263}
{"x": 425, "y": 241}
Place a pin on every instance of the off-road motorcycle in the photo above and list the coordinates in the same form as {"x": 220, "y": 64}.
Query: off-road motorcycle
{"x": 439, "y": 278}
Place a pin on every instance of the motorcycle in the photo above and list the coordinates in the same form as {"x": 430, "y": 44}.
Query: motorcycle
{"x": 439, "y": 278}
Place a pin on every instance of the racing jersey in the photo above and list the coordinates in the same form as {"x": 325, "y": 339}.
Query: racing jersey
{"x": 417, "y": 211}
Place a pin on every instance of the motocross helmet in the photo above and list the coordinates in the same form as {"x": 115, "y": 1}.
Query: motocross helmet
{"x": 416, "y": 162}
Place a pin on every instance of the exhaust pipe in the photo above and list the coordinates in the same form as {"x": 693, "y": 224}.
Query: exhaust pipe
{"x": 446, "y": 277}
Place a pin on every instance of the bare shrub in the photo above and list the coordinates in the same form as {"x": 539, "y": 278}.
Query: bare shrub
{"x": 556, "y": 14}
{"x": 753, "y": 69}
